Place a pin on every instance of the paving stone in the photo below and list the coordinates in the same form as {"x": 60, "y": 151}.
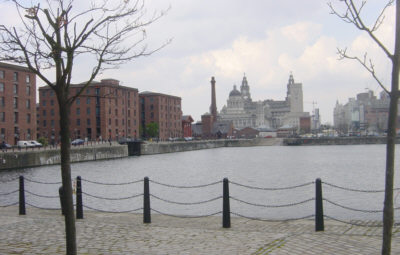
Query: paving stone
{"x": 42, "y": 232}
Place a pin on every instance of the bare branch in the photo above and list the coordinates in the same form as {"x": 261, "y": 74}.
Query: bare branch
{"x": 366, "y": 63}
{"x": 352, "y": 15}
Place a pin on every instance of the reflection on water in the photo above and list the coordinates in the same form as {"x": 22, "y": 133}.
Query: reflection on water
{"x": 358, "y": 167}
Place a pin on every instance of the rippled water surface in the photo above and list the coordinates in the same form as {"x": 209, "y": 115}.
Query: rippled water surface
{"x": 356, "y": 167}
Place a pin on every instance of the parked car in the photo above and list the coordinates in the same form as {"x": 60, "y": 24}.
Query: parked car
{"x": 77, "y": 142}
{"x": 4, "y": 145}
{"x": 34, "y": 143}
{"x": 24, "y": 144}
{"x": 188, "y": 138}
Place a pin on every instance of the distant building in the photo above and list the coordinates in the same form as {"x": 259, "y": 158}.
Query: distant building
{"x": 17, "y": 103}
{"x": 187, "y": 125}
{"x": 246, "y": 132}
{"x": 212, "y": 126}
{"x": 365, "y": 113}
{"x": 165, "y": 110}
{"x": 243, "y": 112}
{"x": 105, "y": 110}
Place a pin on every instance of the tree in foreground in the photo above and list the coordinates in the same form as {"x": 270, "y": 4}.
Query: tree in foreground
{"x": 351, "y": 13}
{"x": 53, "y": 35}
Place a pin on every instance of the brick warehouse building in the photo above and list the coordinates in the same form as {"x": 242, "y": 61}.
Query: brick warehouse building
{"x": 17, "y": 103}
{"x": 105, "y": 110}
{"x": 165, "y": 110}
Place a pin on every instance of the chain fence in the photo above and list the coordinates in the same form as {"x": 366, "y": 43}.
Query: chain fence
{"x": 42, "y": 208}
{"x": 355, "y": 190}
{"x": 111, "y": 184}
{"x": 109, "y": 211}
{"x": 273, "y": 206}
{"x": 112, "y": 198}
{"x": 272, "y": 189}
{"x": 354, "y": 223}
{"x": 11, "y": 180}
{"x": 8, "y": 205}
{"x": 186, "y": 203}
{"x": 272, "y": 220}
{"x": 186, "y": 187}
{"x": 38, "y": 195}
{"x": 9, "y": 193}
{"x": 186, "y": 216}
{"x": 225, "y": 197}
{"x": 41, "y": 182}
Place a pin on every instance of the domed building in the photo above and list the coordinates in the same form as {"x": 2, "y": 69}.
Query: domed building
{"x": 243, "y": 112}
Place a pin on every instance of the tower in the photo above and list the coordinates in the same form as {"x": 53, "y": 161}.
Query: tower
{"x": 294, "y": 95}
{"x": 245, "y": 89}
{"x": 213, "y": 107}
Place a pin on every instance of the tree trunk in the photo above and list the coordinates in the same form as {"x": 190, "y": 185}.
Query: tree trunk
{"x": 66, "y": 178}
{"x": 391, "y": 142}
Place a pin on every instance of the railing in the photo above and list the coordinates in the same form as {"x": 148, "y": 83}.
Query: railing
{"x": 226, "y": 212}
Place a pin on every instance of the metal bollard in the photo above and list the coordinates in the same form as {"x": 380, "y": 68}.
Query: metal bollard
{"x": 226, "y": 211}
{"x": 146, "y": 201}
{"x": 61, "y": 194}
{"x": 79, "y": 204}
{"x": 22, "y": 210}
{"x": 319, "y": 210}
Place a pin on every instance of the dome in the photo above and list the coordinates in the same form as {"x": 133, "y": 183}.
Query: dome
{"x": 234, "y": 92}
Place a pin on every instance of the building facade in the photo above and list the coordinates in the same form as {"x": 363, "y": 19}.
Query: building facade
{"x": 244, "y": 112}
{"x": 104, "y": 110}
{"x": 17, "y": 104}
{"x": 187, "y": 125}
{"x": 365, "y": 113}
{"x": 165, "y": 110}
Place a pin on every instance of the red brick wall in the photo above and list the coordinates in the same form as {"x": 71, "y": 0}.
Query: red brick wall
{"x": 118, "y": 112}
{"x": 25, "y": 127}
{"x": 165, "y": 110}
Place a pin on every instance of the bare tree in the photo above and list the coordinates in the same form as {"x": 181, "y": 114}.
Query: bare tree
{"x": 352, "y": 14}
{"x": 53, "y": 34}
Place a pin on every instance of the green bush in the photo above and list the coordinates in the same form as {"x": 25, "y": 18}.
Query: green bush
{"x": 43, "y": 141}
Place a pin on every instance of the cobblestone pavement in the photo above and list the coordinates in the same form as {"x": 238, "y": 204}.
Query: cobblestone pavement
{"x": 42, "y": 232}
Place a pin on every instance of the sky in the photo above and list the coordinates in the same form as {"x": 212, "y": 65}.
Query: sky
{"x": 264, "y": 39}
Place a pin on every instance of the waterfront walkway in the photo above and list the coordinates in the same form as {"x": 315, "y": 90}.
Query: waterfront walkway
{"x": 42, "y": 232}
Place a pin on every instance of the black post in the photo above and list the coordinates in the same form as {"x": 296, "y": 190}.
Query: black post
{"x": 146, "y": 201}
{"x": 226, "y": 212}
{"x": 319, "y": 210}
{"x": 61, "y": 194}
{"x": 79, "y": 206}
{"x": 22, "y": 210}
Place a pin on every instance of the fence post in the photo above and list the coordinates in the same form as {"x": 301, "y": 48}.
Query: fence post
{"x": 226, "y": 212}
{"x": 319, "y": 210}
{"x": 79, "y": 206}
{"x": 61, "y": 194}
{"x": 22, "y": 210}
{"x": 146, "y": 201}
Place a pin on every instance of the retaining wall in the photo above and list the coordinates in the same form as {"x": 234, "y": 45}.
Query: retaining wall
{"x": 148, "y": 148}
{"x": 336, "y": 141}
{"x": 23, "y": 159}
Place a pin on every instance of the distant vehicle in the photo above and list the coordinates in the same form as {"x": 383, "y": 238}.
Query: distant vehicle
{"x": 77, "y": 142}
{"x": 4, "y": 145}
{"x": 24, "y": 144}
{"x": 124, "y": 140}
{"x": 34, "y": 143}
{"x": 188, "y": 138}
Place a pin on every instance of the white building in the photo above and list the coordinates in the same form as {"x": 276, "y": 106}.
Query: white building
{"x": 243, "y": 112}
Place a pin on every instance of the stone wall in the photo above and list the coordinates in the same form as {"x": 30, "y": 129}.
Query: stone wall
{"x": 23, "y": 159}
{"x": 157, "y": 148}
{"x": 336, "y": 141}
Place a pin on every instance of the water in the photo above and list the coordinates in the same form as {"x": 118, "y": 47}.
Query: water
{"x": 355, "y": 166}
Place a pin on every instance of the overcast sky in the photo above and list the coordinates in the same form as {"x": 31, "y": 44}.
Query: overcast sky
{"x": 266, "y": 39}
